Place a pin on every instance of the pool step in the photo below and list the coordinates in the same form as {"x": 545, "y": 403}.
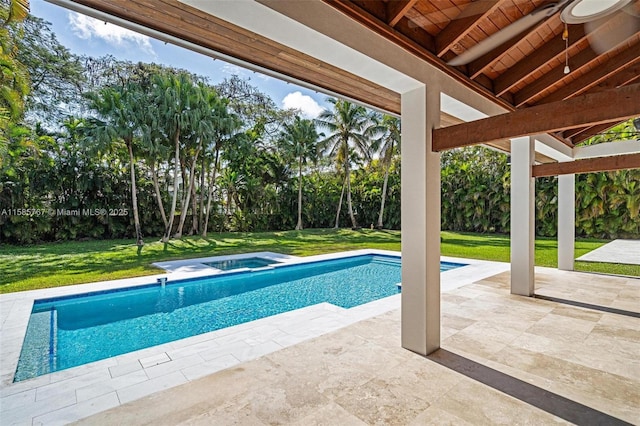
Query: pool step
{"x": 38, "y": 347}
{"x": 385, "y": 261}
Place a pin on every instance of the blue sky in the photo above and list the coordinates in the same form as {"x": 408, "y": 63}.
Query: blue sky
{"x": 84, "y": 35}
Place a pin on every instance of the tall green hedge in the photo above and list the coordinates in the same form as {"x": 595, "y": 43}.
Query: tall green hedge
{"x": 475, "y": 198}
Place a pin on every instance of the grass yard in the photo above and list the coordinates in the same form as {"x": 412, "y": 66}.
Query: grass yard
{"x": 58, "y": 264}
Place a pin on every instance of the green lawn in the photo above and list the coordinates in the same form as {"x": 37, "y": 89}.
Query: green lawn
{"x": 58, "y": 264}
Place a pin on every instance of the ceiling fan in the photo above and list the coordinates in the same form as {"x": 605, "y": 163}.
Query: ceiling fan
{"x": 572, "y": 12}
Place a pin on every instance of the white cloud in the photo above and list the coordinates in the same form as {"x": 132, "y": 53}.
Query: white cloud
{"x": 235, "y": 70}
{"x": 243, "y": 73}
{"x": 305, "y": 104}
{"x": 87, "y": 28}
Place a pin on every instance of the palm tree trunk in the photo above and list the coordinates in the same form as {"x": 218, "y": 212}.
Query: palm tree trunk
{"x": 174, "y": 200}
{"x": 384, "y": 195}
{"x": 134, "y": 198}
{"x": 344, "y": 184}
{"x": 299, "y": 225}
{"x": 203, "y": 176}
{"x": 349, "y": 205}
{"x": 185, "y": 204}
{"x": 194, "y": 211}
{"x": 156, "y": 187}
{"x": 212, "y": 182}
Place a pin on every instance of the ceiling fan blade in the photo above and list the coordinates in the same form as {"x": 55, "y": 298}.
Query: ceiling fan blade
{"x": 633, "y": 9}
{"x": 603, "y": 37}
{"x": 505, "y": 34}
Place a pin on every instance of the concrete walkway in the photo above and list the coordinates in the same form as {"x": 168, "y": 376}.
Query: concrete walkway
{"x": 617, "y": 251}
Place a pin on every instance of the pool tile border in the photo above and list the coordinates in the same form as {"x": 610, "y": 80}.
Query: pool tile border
{"x": 72, "y": 394}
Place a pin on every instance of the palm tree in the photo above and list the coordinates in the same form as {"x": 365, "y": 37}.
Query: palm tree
{"x": 119, "y": 109}
{"x": 209, "y": 111}
{"x": 14, "y": 78}
{"x": 174, "y": 95}
{"x": 387, "y": 141}
{"x": 346, "y": 124}
{"x": 17, "y": 11}
{"x": 300, "y": 140}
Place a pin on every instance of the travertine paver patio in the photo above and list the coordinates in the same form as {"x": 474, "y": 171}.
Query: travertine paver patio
{"x": 505, "y": 360}
{"x": 75, "y": 393}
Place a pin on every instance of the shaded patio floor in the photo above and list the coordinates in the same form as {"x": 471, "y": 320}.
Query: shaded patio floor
{"x": 504, "y": 360}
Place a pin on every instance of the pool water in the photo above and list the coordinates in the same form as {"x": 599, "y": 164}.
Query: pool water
{"x": 251, "y": 263}
{"x": 73, "y": 330}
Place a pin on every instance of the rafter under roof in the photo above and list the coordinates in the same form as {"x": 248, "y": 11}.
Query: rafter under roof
{"x": 528, "y": 69}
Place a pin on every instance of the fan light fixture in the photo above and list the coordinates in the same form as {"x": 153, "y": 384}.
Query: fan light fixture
{"x": 565, "y": 37}
{"x": 581, "y": 11}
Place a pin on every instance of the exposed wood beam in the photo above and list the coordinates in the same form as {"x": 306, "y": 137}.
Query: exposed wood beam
{"x": 611, "y": 72}
{"x": 591, "y": 109}
{"x": 543, "y": 55}
{"x": 463, "y": 24}
{"x": 397, "y": 9}
{"x": 377, "y": 25}
{"x": 478, "y": 66}
{"x": 570, "y": 134}
{"x": 602, "y": 164}
{"x": 414, "y": 33}
{"x": 554, "y": 76}
{"x": 582, "y": 59}
{"x": 592, "y": 131}
{"x": 375, "y": 8}
{"x": 625, "y": 77}
{"x": 580, "y": 134}
{"x": 422, "y": 51}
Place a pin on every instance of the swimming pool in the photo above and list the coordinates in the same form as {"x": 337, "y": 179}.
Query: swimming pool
{"x": 73, "y": 330}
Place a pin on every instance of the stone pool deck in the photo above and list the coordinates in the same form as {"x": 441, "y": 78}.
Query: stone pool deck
{"x": 504, "y": 360}
{"x": 73, "y": 394}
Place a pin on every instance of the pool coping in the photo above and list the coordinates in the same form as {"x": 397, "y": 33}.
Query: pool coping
{"x": 71, "y": 394}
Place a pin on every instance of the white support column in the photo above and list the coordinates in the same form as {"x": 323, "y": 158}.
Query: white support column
{"x": 566, "y": 221}
{"x": 420, "y": 222}
{"x": 522, "y": 216}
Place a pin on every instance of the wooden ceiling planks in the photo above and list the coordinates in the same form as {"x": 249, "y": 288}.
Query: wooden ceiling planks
{"x": 397, "y": 9}
{"x": 460, "y": 24}
{"x": 536, "y": 60}
{"x": 422, "y": 51}
{"x": 611, "y": 70}
{"x": 525, "y": 69}
{"x": 483, "y": 63}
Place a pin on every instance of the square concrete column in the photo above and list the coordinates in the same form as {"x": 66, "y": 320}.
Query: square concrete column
{"x": 420, "y": 222}
{"x": 566, "y": 221}
{"x": 522, "y": 216}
